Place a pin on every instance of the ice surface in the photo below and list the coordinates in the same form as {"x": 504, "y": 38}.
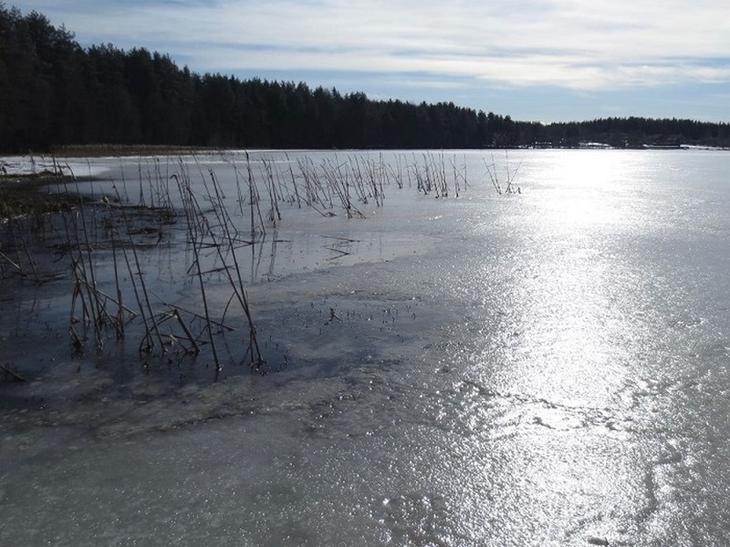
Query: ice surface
{"x": 541, "y": 369}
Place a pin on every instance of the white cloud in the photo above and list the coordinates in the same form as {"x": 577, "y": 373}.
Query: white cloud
{"x": 569, "y": 43}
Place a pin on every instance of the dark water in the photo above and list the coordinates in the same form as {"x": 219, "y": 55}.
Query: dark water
{"x": 547, "y": 368}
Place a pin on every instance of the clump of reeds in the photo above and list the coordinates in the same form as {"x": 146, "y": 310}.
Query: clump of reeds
{"x": 511, "y": 176}
{"x": 346, "y": 185}
{"x": 218, "y": 234}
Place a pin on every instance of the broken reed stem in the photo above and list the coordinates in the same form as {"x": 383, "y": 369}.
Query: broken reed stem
{"x": 256, "y": 360}
{"x": 239, "y": 290}
{"x": 198, "y": 316}
{"x": 185, "y": 329}
{"x": 120, "y": 304}
{"x": 218, "y": 367}
{"x": 143, "y": 285}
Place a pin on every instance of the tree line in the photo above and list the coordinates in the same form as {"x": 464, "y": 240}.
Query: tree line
{"x": 53, "y": 92}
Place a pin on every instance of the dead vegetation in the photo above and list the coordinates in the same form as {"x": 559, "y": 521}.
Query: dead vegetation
{"x": 99, "y": 239}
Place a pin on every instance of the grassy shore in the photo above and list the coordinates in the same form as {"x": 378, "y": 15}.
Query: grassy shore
{"x": 28, "y": 195}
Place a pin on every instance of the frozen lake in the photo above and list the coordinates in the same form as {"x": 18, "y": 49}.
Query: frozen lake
{"x": 542, "y": 368}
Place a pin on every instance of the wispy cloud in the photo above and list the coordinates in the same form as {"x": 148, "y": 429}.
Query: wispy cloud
{"x": 568, "y": 43}
{"x": 571, "y": 44}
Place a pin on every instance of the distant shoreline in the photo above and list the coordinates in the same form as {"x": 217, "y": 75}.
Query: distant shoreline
{"x": 107, "y": 150}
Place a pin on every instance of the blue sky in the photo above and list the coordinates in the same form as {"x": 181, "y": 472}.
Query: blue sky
{"x": 533, "y": 59}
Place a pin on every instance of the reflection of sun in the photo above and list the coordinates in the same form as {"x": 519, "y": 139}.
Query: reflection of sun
{"x": 583, "y": 185}
{"x": 570, "y": 335}
{"x": 570, "y": 311}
